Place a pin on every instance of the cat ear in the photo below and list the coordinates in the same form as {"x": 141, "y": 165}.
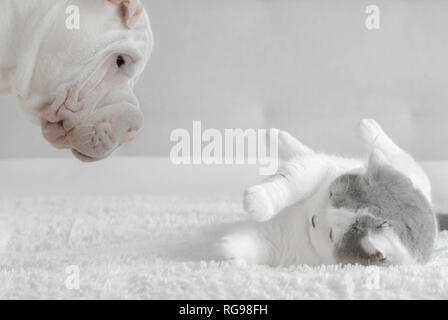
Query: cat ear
{"x": 377, "y": 160}
{"x": 130, "y": 11}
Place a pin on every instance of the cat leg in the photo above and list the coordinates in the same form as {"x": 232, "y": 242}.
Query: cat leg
{"x": 245, "y": 244}
{"x": 289, "y": 147}
{"x": 375, "y": 138}
{"x": 257, "y": 201}
{"x": 293, "y": 182}
{"x": 372, "y": 134}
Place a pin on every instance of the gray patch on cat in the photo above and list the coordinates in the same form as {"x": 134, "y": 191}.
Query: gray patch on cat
{"x": 391, "y": 200}
{"x": 442, "y": 219}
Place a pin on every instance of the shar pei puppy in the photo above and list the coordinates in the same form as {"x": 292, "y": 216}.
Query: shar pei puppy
{"x": 77, "y": 83}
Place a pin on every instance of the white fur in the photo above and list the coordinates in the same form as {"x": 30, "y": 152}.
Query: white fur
{"x": 25, "y": 25}
{"x": 68, "y": 80}
{"x": 299, "y": 191}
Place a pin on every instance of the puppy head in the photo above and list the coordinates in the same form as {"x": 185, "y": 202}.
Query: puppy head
{"x": 79, "y": 83}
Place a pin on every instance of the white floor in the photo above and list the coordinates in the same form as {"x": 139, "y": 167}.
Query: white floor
{"x": 138, "y": 228}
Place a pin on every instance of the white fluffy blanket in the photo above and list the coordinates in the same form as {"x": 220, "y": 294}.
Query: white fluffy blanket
{"x": 153, "y": 247}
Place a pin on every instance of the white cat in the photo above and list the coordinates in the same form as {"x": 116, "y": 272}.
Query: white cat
{"x": 322, "y": 209}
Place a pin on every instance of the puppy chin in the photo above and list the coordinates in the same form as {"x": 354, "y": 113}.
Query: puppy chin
{"x": 84, "y": 158}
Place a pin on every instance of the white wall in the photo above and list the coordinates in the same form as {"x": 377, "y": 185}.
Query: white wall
{"x": 310, "y": 67}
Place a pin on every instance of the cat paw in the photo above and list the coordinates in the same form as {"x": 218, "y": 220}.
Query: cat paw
{"x": 290, "y": 147}
{"x": 369, "y": 131}
{"x": 257, "y": 204}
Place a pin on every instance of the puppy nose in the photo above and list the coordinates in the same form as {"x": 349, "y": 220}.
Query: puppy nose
{"x": 134, "y": 128}
{"x": 129, "y": 136}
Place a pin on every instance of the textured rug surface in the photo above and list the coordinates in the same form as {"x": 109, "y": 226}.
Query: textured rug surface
{"x": 145, "y": 247}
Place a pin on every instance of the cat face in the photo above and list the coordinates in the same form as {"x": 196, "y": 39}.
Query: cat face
{"x": 370, "y": 241}
{"x": 366, "y": 213}
{"x": 348, "y": 236}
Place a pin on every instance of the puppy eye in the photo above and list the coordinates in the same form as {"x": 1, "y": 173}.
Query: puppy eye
{"x": 120, "y": 61}
{"x": 331, "y": 234}
{"x": 313, "y": 223}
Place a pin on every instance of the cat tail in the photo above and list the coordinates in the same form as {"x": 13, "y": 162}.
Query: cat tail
{"x": 442, "y": 219}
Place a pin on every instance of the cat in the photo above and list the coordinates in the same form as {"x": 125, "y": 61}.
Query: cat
{"x": 323, "y": 209}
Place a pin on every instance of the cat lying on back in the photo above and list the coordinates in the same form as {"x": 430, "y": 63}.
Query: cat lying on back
{"x": 322, "y": 209}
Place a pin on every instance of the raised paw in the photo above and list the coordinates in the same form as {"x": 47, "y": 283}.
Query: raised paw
{"x": 289, "y": 147}
{"x": 130, "y": 11}
{"x": 257, "y": 203}
{"x": 369, "y": 131}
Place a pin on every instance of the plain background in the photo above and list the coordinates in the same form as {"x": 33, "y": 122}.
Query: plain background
{"x": 310, "y": 67}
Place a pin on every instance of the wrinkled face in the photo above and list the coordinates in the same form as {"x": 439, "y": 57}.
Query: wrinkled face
{"x": 82, "y": 84}
{"x": 358, "y": 225}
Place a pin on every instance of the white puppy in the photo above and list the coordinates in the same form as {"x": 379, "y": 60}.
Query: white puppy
{"x": 77, "y": 83}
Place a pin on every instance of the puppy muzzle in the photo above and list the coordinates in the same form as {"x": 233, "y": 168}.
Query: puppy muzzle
{"x": 101, "y": 134}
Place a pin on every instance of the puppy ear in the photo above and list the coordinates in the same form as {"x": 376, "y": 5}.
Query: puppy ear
{"x": 130, "y": 11}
